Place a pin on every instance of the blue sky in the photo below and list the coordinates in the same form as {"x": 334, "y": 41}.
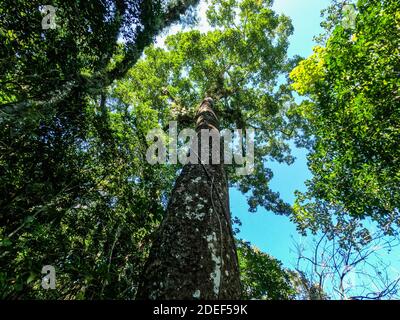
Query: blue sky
{"x": 271, "y": 233}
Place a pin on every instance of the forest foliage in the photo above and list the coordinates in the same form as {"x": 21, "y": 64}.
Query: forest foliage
{"x": 352, "y": 114}
{"x": 77, "y": 102}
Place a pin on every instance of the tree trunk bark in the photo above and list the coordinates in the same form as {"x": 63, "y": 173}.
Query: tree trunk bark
{"x": 194, "y": 253}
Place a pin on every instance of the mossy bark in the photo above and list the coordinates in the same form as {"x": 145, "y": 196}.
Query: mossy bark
{"x": 194, "y": 253}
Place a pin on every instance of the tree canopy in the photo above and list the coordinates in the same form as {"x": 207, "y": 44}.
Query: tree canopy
{"x": 237, "y": 63}
{"x": 351, "y": 113}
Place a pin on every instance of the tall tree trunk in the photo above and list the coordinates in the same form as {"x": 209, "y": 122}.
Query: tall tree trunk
{"x": 194, "y": 253}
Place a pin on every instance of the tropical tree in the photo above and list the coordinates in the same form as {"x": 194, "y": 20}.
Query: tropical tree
{"x": 351, "y": 115}
{"x": 236, "y": 65}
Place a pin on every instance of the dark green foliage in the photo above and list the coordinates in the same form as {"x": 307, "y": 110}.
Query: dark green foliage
{"x": 262, "y": 276}
{"x": 75, "y": 190}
